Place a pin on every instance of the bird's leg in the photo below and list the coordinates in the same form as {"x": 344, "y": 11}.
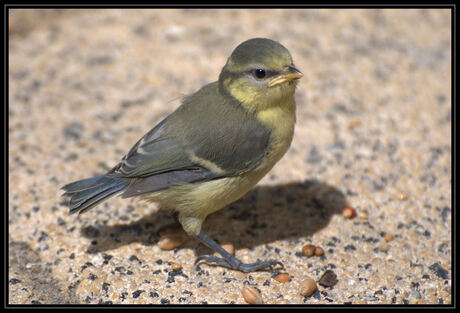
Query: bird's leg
{"x": 230, "y": 261}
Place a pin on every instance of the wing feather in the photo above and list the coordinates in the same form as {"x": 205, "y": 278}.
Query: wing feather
{"x": 207, "y": 127}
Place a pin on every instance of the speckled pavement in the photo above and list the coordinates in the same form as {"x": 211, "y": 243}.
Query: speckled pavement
{"x": 373, "y": 132}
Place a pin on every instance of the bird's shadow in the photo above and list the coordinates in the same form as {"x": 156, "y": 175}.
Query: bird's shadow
{"x": 264, "y": 215}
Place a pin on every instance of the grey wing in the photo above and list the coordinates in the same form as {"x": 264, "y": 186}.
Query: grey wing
{"x": 229, "y": 141}
{"x": 154, "y": 153}
{"x": 156, "y": 162}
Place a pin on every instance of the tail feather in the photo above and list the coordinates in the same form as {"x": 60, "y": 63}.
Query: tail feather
{"x": 84, "y": 184}
{"x": 87, "y": 193}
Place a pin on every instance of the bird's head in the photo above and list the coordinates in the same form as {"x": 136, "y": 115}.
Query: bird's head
{"x": 260, "y": 73}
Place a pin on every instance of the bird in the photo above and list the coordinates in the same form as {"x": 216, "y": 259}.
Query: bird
{"x": 212, "y": 149}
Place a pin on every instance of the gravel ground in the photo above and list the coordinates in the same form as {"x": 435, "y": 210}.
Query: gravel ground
{"x": 373, "y": 132}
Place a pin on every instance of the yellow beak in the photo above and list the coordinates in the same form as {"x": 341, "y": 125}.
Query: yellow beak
{"x": 291, "y": 74}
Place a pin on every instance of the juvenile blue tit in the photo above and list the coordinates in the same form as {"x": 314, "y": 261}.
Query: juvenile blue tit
{"x": 213, "y": 149}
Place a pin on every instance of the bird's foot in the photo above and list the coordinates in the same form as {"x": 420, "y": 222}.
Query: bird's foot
{"x": 230, "y": 261}
{"x": 236, "y": 264}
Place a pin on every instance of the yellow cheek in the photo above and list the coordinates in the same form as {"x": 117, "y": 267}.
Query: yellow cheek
{"x": 245, "y": 93}
{"x": 256, "y": 98}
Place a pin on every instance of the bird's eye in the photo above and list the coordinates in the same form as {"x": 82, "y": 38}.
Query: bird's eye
{"x": 259, "y": 73}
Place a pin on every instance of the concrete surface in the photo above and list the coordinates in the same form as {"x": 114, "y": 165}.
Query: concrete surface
{"x": 373, "y": 131}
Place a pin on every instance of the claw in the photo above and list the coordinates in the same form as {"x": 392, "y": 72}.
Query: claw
{"x": 230, "y": 261}
{"x": 209, "y": 258}
{"x": 244, "y": 267}
{"x": 260, "y": 265}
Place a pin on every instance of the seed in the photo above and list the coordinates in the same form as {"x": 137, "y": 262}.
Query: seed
{"x": 319, "y": 251}
{"x": 354, "y": 123}
{"x": 388, "y": 237}
{"x": 227, "y": 246}
{"x": 169, "y": 242}
{"x": 307, "y": 287}
{"x": 348, "y": 212}
{"x": 363, "y": 215}
{"x": 252, "y": 295}
{"x": 283, "y": 277}
{"x": 176, "y": 266}
{"x": 308, "y": 250}
{"x": 401, "y": 196}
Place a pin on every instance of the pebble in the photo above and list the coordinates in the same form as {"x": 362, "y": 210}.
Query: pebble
{"x": 174, "y": 31}
{"x": 97, "y": 260}
{"x": 283, "y": 277}
{"x": 328, "y": 279}
{"x": 416, "y": 294}
{"x": 176, "y": 266}
{"x": 348, "y": 212}
{"x": 252, "y": 295}
{"x": 307, "y": 287}
{"x": 401, "y": 196}
{"x": 388, "y": 237}
{"x": 169, "y": 242}
{"x": 354, "y": 123}
{"x": 370, "y": 298}
{"x": 362, "y": 215}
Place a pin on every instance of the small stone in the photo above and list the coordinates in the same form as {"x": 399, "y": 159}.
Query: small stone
{"x": 176, "y": 266}
{"x": 388, "y": 237}
{"x": 307, "y": 287}
{"x": 97, "y": 260}
{"x": 308, "y": 250}
{"x": 328, "y": 279}
{"x": 401, "y": 196}
{"x": 252, "y": 295}
{"x": 169, "y": 242}
{"x": 370, "y": 298}
{"x": 137, "y": 293}
{"x": 439, "y": 271}
{"x": 174, "y": 31}
{"x": 352, "y": 123}
{"x": 348, "y": 212}
{"x": 362, "y": 215}
{"x": 415, "y": 294}
{"x": 283, "y": 277}
{"x": 14, "y": 281}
